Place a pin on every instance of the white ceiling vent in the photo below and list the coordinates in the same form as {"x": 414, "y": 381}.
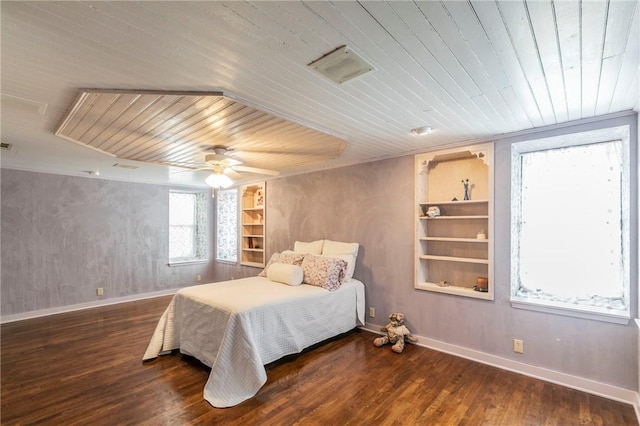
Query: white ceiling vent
{"x": 341, "y": 65}
{"x": 18, "y": 104}
{"x": 126, "y": 166}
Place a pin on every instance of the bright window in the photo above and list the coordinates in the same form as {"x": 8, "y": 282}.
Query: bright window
{"x": 570, "y": 224}
{"x": 227, "y": 225}
{"x": 187, "y": 226}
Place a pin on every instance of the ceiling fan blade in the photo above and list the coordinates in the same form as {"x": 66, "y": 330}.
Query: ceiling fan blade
{"x": 232, "y": 173}
{"x": 256, "y": 170}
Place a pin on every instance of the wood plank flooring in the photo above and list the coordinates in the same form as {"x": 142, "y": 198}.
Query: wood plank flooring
{"x": 85, "y": 367}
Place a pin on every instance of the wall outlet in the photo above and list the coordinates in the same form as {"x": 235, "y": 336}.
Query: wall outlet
{"x": 99, "y": 291}
{"x": 198, "y": 278}
{"x": 372, "y": 312}
{"x": 518, "y": 346}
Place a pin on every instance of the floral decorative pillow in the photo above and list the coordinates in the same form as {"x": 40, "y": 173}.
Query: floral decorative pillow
{"x": 325, "y": 272}
{"x": 284, "y": 257}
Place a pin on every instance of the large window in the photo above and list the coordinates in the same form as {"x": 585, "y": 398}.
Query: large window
{"x": 188, "y": 215}
{"x": 570, "y": 224}
{"x": 227, "y": 225}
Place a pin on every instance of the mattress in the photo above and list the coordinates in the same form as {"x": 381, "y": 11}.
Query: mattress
{"x": 236, "y": 327}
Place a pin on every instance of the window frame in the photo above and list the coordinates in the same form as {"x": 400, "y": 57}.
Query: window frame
{"x": 621, "y": 133}
{"x": 200, "y": 229}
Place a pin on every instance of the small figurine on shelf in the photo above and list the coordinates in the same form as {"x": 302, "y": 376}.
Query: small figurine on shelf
{"x": 259, "y": 198}
{"x": 465, "y": 182}
{"x": 433, "y": 211}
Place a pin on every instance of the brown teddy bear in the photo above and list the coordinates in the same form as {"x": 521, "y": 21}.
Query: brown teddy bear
{"x": 397, "y": 332}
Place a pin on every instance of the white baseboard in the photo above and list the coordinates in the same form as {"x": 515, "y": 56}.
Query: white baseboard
{"x": 70, "y": 308}
{"x": 574, "y": 382}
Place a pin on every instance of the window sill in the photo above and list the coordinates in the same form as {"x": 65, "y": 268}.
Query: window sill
{"x": 227, "y": 262}
{"x": 565, "y": 309}
{"x": 187, "y": 262}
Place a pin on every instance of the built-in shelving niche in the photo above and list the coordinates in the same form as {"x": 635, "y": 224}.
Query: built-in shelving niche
{"x": 455, "y": 247}
{"x": 253, "y": 225}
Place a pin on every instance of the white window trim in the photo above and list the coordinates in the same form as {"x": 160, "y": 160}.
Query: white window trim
{"x": 187, "y": 262}
{"x": 559, "y": 308}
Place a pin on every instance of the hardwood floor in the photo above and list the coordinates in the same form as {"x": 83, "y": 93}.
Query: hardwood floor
{"x": 85, "y": 367}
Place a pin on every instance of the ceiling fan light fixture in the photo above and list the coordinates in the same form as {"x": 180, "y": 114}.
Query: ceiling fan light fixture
{"x": 215, "y": 180}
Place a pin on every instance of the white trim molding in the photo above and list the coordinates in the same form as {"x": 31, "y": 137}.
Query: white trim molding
{"x": 574, "y": 382}
{"x": 79, "y": 306}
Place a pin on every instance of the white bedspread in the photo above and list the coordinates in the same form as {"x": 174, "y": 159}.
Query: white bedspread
{"x": 236, "y": 327}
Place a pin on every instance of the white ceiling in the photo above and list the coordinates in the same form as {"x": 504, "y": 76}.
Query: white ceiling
{"x": 469, "y": 69}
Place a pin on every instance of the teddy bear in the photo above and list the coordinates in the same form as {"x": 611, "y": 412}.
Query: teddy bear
{"x": 397, "y": 332}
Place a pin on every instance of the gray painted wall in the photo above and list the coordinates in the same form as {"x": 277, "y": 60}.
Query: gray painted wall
{"x": 373, "y": 204}
{"x": 63, "y": 237}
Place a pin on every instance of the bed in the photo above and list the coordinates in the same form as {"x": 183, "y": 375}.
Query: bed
{"x": 236, "y": 327}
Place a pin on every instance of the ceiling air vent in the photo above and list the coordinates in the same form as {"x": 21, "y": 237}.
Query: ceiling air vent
{"x": 126, "y": 166}
{"x": 5, "y": 146}
{"x": 341, "y": 65}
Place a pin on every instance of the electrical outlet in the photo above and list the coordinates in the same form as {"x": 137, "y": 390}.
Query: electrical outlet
{"x": 99, "y": 291}
{"x": 372, "y": 312}
{"x": 198, "y": 278}
{"x": 518, "y": 346}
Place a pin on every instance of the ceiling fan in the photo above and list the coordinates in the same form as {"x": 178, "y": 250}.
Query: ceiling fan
{"x": 225, "y": 169}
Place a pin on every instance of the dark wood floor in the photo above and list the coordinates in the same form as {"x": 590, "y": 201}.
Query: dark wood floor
{"x": 85, "y": 367}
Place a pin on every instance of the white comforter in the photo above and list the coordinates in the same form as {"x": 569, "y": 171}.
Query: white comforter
{"x": 236, "y": 327}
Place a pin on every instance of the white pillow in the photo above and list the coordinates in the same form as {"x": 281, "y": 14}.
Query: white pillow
{"x": 285, "y": 273}
{"x": 330, "y": 248}
{"x": 345, "y": 251}
{"x": 314, "y": 247}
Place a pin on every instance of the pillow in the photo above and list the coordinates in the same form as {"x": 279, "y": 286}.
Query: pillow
{"x": 343, "y": 251}
{"x": 285, "y": 273}
{"x": 325, "y": 272}
{"x": 351, "y": 264}
{"x": 330, "y": 248}
{"x": 284, "y": 257}
{"x": 314, "y": 247}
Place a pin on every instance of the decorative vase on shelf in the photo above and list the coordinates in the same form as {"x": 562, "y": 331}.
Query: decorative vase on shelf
{"x": 465, "y": 182}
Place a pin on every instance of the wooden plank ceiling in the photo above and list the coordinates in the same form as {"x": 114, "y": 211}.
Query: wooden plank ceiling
{"x": 180, "y": 128}
{"x": 469, "y": 69}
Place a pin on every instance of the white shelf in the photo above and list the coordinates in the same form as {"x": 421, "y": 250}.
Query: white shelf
{"x": 444, "y": 203}
{"x": 455, "y": 259}
{"x": 457, "y": 240}
{"x": 456, "y": 290}
{"x": 455, "y": 217}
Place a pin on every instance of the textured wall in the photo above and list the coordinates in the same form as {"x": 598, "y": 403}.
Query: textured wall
{"x": 62, "y": 237}
{"x": 373, "y": 204}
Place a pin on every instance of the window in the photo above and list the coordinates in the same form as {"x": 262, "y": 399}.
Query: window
{"x": 227, "y": 225}
{"x": 570, "y": 224}
{"x": 188, "y": 214}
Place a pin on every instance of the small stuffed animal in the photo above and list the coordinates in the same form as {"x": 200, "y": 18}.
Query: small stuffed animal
{"x": 397, "y": 332}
